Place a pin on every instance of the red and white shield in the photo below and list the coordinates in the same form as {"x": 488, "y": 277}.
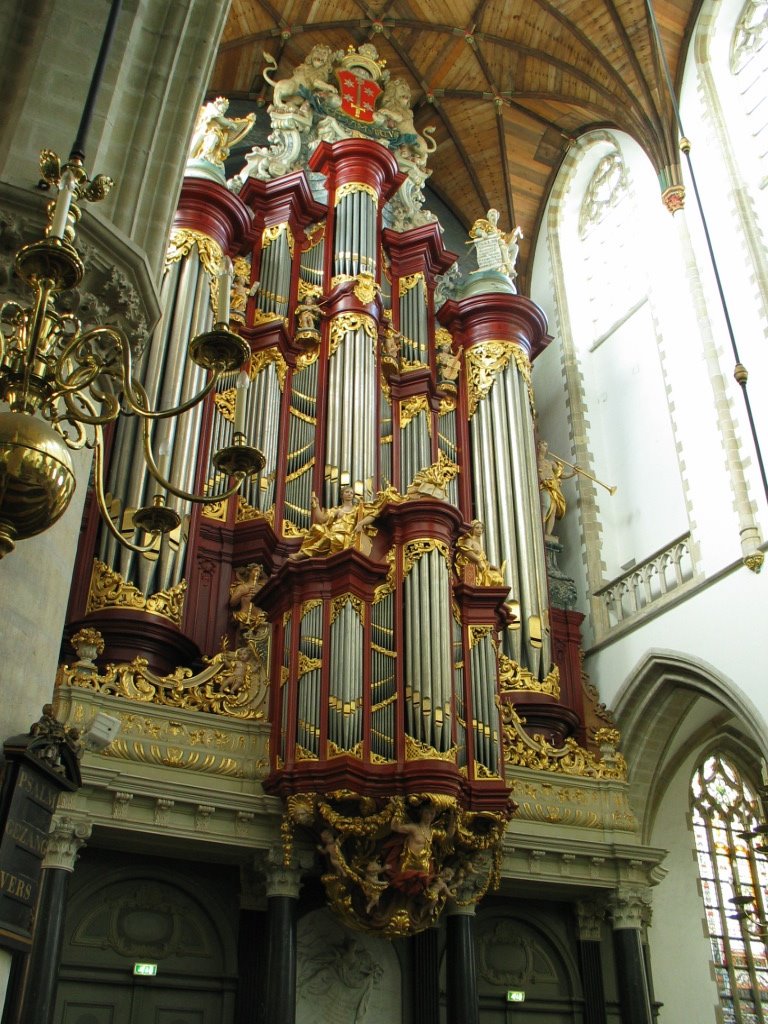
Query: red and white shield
{"x": 358, "y": 95}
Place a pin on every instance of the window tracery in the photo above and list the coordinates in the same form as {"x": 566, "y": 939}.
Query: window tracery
{"x": 724, "y": 811}
{"x": 607, "y": 187}
{"x": 750, "y": 34}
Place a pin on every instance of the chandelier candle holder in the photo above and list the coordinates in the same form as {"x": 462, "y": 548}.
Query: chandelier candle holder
{"x": 63, "y": 383}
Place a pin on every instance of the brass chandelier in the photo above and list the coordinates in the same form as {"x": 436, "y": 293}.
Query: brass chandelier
{"x": 63, "y": 383}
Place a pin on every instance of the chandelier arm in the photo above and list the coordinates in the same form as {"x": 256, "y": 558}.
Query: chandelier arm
{"x": 101, "y": 500}
{"x": 199, "y": 499}
{"x": 164, "y": 414}
{"x": 92, "y": 419}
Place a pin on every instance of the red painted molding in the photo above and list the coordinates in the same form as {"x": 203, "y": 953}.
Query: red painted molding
{"x": 496, "y": 316}
{"x": 211, "y": 208}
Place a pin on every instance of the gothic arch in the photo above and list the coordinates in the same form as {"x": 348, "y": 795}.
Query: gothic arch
{"x": 673, "y": 703}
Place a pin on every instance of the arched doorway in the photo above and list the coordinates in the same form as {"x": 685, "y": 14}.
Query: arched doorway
{"x": 145, "y": 915}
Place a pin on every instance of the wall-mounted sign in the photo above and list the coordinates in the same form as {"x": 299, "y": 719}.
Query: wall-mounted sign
{"x": 145, "y": 970}
{"x": 515, "y": 995}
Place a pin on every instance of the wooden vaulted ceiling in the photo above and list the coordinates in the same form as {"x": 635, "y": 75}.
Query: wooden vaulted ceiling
{"x": 508, "y": 84}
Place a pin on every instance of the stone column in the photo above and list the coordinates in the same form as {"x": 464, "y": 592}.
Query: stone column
{"x": 282, "y": 891}
{"x": 425, "y": 965}
{"x": 461, "y": 966}
{"x": 629, "y": 910}
{"x": 66, "y": 838}
{"x": 251, "y": 949}
{"x": 589, "y": 918}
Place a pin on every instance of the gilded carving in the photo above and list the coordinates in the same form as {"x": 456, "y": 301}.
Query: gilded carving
{"x": 216, "y": 510}
{"x": 513, "y": 676}
{"x": 245, "y": 513}
{"x": 339, "y": 602}
{"x": 260, "y": 317}
{"x": 570, "y": 759}
{"x": 209, "y": 251}
{"x": 392, "y": 863}
{"x": 271, "y": 233}
{"x": 264, "y": 357}
{"x": 416, "y": 750}
{"x": 432, "y": 481}
{"x": 411, "y": 407}
{"x": 348, "y": 322}
{"x": 350, "y": 188}
{"x": 415, "y": 549}
{"x": 485, "y": 361}
{"x": 389, "y": 584}
{"x": 405, "y": 284}
{"x": 108, "y": 589}
{"x": 233, "y": 683}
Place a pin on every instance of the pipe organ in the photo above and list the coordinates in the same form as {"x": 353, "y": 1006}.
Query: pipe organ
{"x": 393, "y": 436}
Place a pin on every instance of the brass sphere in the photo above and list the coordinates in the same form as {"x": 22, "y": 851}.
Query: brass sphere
{"x": 37, "y": 478}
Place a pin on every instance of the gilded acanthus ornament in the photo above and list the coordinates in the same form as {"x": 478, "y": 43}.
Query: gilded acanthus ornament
{"x": 513, "y": 677}
{"x": 234, "y": 682}
{"x": 570, "y": 759}
{"x": 108, "y": 589}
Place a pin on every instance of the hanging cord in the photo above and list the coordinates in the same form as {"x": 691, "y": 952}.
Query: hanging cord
{"x": 739, "y": 371}
{"x": 78, "y": 146}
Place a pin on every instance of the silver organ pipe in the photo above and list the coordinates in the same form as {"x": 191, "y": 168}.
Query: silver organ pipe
{"x": 168, "y": 377}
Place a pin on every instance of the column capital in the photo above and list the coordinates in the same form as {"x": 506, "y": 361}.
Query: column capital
{"x": 282, "y": 879}
{"x": 590, "y": 915}
{"x": 66, "y": 837}
{"x": 630, "y": 908}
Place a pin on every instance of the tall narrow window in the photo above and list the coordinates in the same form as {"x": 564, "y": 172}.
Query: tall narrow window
{"x": 725, "y": 809}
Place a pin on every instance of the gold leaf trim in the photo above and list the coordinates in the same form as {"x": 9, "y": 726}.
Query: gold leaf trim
{"x": 338, "y": 603}
{"x": 411, "y": 407}
{"x": 415, "y": 750}
{"x": 350, "y": 188}
{"x": 416, "y": 549}
{"x": 348, "y": 322}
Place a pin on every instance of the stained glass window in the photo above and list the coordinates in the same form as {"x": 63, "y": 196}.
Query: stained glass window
{"x": 734, "y": 883}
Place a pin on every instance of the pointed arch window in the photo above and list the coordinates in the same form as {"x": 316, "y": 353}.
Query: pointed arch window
{"x": 724, "y": 809}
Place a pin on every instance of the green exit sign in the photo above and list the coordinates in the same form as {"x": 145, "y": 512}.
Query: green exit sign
{"x": 514, "y": 995}
{"x": 145, "y": 970}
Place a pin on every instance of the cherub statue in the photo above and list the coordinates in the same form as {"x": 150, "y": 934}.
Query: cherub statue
{"x": 334, "y": 529}
{"x": 214, "y": 133}
{"x": 470, "y": 554}
{"x": 330, "y": 848}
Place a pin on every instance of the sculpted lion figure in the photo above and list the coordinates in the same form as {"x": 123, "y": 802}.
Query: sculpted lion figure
{"x": 311, "y": 76}
{"x": 396, "y": 111}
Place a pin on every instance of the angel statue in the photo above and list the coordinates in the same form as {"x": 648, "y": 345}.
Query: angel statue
{"x": 215, "y": 133}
